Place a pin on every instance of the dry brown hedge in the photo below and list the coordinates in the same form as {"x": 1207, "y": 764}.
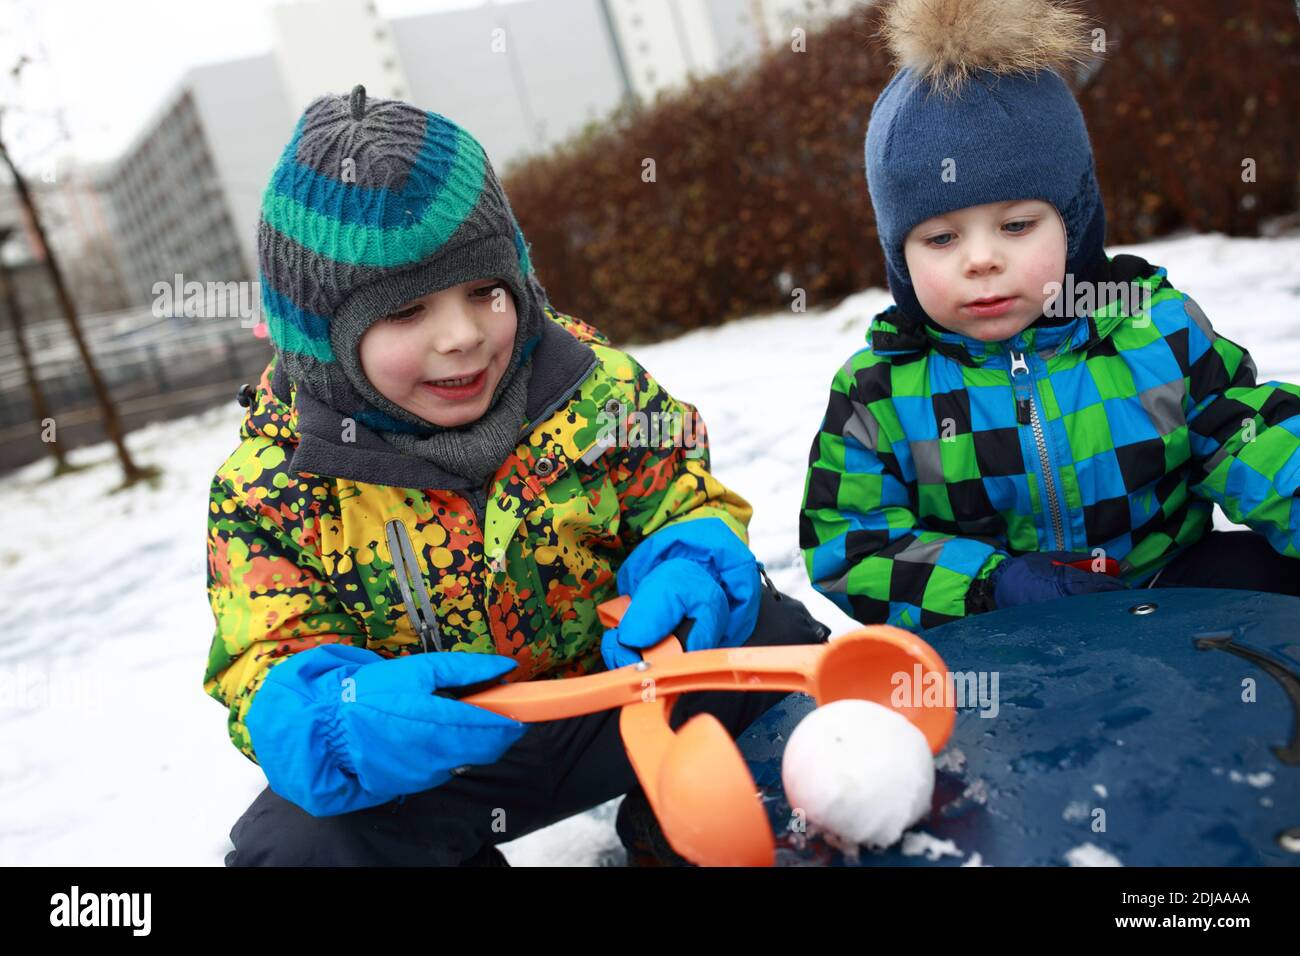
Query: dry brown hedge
{"x": 759, "y": 184}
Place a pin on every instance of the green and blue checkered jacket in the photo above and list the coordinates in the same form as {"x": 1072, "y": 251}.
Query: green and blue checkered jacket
{"x": 940, "y": 455}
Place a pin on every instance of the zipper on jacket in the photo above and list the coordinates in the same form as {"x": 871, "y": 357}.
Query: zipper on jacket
{"x": 478, "y": 501}
{"x": 418, "y": 608}
{"x": 1027, "y": 414}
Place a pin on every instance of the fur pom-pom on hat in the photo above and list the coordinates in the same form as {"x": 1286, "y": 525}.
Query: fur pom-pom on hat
{"x": 1005, "y": 124}
{"x": 947, "y": 41}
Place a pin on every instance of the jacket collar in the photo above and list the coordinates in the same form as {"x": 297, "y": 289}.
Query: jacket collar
{"x": 891, "y": 334}
{"x": 560, "y": 364}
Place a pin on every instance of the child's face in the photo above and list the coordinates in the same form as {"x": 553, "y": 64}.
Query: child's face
{"x": 1005, "y": 252}
{"x": 464, "y": 330}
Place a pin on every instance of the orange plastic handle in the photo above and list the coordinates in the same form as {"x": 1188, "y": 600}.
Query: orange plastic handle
{"x": 859, "y": 664}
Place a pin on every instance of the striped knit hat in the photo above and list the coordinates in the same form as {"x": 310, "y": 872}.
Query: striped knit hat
{"x": 373, "y": 204}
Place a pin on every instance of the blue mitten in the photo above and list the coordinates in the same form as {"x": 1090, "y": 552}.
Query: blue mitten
{"x": 340, "y": 728}
{"x": 1047, "y": 575}
{"x": 675, "y": 589}
{"x": 698, "y": 569}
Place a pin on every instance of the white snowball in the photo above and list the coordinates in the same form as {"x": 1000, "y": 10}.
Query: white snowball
{"x": 859, "y": 770}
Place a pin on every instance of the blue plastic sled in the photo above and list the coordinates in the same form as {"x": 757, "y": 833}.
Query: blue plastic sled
{"x": 1118, "y": 735}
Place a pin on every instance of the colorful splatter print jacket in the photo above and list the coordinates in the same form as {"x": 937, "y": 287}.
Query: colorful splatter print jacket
{"x": 940, "y": 455}
{"x": 303, "y": 513}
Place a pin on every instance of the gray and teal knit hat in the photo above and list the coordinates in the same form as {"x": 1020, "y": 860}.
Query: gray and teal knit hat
{"x": 373, "y": 204}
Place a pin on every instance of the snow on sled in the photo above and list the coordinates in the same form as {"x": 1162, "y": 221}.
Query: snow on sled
{"x": 1136, "y": 728}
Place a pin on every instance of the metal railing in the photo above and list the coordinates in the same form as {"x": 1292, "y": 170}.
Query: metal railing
{"x": 155, "y": 368}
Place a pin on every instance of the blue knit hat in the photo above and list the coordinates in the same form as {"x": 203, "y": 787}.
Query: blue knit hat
{"x": 371, "y": 205}
{"x": 977, "y": 115}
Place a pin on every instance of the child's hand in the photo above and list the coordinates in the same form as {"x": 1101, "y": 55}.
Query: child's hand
{"x": 675, "y": 589}
{"x": 1047, "y": 575}
{"x": 339, "y": 728}
{"x": 699, "y": 569}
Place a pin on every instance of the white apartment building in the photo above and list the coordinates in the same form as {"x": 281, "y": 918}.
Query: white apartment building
{"x": 522, "y": 76}
{"x": 185, "y": 195}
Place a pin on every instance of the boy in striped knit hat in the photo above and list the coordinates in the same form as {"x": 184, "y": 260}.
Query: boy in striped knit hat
{"x": 429, "y": 494}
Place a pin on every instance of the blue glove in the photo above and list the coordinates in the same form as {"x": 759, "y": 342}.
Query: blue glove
{"x": 698, "y": 569}
{"x": 339, "y": 728}
{"x": 1047, "y": 575}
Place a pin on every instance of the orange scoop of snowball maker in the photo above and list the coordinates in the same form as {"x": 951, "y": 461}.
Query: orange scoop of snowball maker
{"x": 695, "y": 779}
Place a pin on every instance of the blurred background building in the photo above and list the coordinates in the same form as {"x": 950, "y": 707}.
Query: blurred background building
{"x": 522, "y": 76}
{"x": 182, "y": 199}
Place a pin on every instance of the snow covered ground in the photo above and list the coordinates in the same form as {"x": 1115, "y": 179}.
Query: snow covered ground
{"x": 110, "y": 752}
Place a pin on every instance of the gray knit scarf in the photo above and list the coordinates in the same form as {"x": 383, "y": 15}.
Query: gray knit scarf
{"x": 475, "y": 451}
